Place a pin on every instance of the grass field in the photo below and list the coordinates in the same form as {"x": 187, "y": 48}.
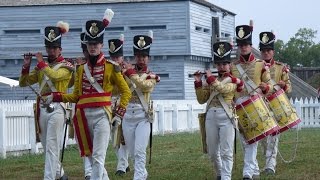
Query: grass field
{"x": 178, "y": 156}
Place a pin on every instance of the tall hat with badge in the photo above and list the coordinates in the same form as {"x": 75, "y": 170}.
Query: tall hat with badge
{"x": 95, "y": 28}
{"x": 267, "y": 40}
{"x": 116, "y": 46}
{"x": 142, "y": 44}
{"x": 53, "y": 34}
{"x": 83, "y": 41}
{"x": 244, "y": 34}
{"x": 222, "y": 52}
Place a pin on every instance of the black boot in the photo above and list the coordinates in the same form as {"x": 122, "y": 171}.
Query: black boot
{"x": 128, "y": 169}
{"x": 120, "y": 173}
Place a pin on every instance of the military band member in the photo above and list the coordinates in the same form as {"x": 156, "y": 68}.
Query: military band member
{"x": 280, "y": 74}
{"x": 94, "y": 83}
{"x": 52, "y": 76}
{"x": 218, "y": 123}
{"x": 116, "y": 55}
{"x": 80, "y": 61}
{"x": 260, "y": 76}
{"x": 137, "y": 120}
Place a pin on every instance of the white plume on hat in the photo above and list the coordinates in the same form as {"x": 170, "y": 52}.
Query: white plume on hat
{"x": 108, "y": 15}
{"x": 64, "y": 26}
{"x": 121, "y": 37}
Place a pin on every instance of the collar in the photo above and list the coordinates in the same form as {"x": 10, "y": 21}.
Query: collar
{"x": 101, "y": 60}
{"x": 57, "y": 60}
{"x": 243, "y": 60}
{"x": 143, "y": 70}
{"x": 270, "y": 63}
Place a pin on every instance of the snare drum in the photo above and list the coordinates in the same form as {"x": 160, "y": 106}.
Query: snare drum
{"x": 255, "y": 120}
{"x": 284, "y": 113}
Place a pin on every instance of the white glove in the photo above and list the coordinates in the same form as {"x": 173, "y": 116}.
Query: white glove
{"x": 48, "y": 99}
{"x": 116, "y": 121}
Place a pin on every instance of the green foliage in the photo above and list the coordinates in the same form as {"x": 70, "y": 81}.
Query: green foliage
{"x": 179, "y": 156}
{"x": 299, "y": 50}
{"x": 314, "y": 81}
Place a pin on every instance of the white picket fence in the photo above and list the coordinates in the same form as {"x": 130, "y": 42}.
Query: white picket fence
{"x": 17, "y": 128}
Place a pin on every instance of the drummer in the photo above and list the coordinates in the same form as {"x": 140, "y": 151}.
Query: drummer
{"x": 259, "y": 75}
{"x": 280, "y": 75}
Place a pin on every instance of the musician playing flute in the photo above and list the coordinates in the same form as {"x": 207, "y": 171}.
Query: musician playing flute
{"x": 280, "y": 74}
{"x": 258, "y": 75}
{"x": 219, "y": 120}
{"x": 52, "y": 75}
{"x": 137, "y": 122}
{"x": 92, "y": 92}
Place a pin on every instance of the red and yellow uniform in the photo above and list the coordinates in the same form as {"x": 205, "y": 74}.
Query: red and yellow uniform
{"x": 86, "y": 96}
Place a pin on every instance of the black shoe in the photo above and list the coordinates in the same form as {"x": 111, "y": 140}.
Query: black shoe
{"x": 64, "y": 177}
{"x": 269, "y": 171}
{"x": 247, "y": 178}
{"x": 120, "y": 173}
{"x": 128, "y": 169}
{"x": 87, "y": 177}
{"x": 218, "y": 177}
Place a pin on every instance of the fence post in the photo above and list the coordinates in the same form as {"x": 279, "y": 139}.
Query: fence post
{"x": 175, "y": 118}
{"x": 161, "y": 119}
{"x": 298, "y": 109}
{"x": 32, "y": 135}
{"x": 190, "y": 118}
{"x": 3, "y": 134}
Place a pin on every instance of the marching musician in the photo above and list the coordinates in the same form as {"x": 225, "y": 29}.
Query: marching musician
{"x": 259, "y": 74}
{"x": 52, "y": 75}
{"x": 137, "y": 122}
{"x": 280, "y": 74}
{"x": 80, "y": 61}
{"x": 219, "y": 121}
{"x": 116, "y": 55}
{"x": 94, "y": 83}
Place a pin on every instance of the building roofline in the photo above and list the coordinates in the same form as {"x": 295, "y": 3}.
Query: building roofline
{"x": 20, "y": 3}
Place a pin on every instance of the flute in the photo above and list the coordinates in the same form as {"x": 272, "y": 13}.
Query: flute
{"x": 33, "y": 55}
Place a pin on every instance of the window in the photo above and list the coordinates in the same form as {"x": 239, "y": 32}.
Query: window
{"x": 115, "y": 29}
{"x": 154, "y": 27}
{"x": 75, "y": 30}
{"x": 163, "y": 76}
{"x": 22, "y": 31}
{"x": 198, "y": 28}
{"x": 206, "y": 30}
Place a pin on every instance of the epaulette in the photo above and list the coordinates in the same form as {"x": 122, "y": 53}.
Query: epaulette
{"x": 68, "y": 65}
{"x": 116, "y": 65}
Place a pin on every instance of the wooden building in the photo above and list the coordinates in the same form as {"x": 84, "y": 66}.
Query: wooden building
{"x": 183, "y": 34}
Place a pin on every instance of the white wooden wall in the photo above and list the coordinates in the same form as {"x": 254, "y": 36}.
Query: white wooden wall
{"x": 17, "y": 130}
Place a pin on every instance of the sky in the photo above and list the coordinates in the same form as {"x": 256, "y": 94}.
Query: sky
{"x": 284, "y": 17}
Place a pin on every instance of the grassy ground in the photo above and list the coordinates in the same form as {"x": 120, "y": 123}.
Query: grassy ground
{"x": 179, "y": 157}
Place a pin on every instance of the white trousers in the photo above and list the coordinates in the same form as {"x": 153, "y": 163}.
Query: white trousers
{"x": 136, "y": 131}
{"x": 87, "y": 165}
{"x": 220, "y": 141}
{"x": 51, "y": 126}
{"x": 250, "y": 164}
{"x": 99, "y": 129}
{"x": 270, "y": 149}
{"x": 122, "y": 155}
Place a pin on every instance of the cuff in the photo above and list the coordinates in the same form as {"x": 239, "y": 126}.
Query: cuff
{"x": 210, "y": 79}
{"x": 41, "y": 65}
{"x": 130, "y": 72}
{"x": 57, "y": 97}
{"x": 197, "y": 84}
{"x": 25, "y": 70}
{"x": 120, "y": 111}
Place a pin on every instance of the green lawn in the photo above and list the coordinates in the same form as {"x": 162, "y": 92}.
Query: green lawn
{"x": 178, "y": 156}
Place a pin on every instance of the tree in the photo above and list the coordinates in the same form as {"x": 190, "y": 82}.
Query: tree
{"x": 300, "y": 49}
